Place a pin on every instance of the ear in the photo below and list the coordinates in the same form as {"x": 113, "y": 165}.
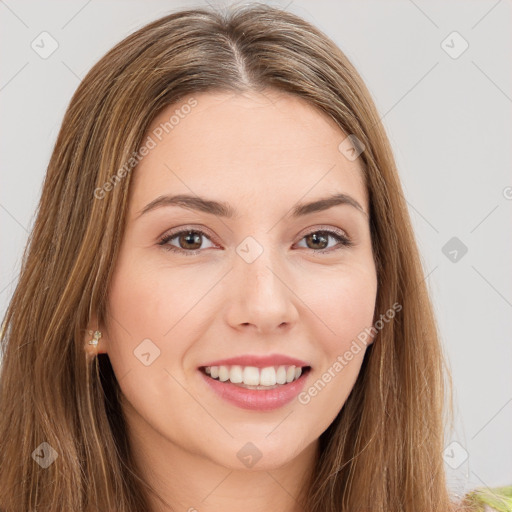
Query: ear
{"x": 89, "y": 334}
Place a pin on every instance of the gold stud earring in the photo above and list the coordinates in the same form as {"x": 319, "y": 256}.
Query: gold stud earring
{"x": 96, "y": 336}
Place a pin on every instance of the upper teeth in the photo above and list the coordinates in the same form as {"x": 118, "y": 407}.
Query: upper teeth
{"x": 253, "y": 376}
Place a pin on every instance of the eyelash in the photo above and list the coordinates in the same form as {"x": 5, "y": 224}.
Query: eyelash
{"x": 342, "y": 238}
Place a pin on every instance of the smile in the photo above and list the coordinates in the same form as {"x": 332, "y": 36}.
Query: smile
{"x": 253, "y": 377}
{"x": 253, "y": 388}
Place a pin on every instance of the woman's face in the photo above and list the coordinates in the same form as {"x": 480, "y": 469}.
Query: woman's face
{"x": 252, "y": 286}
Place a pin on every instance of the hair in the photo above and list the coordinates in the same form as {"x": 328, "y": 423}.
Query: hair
{"x": 383, "y": 451}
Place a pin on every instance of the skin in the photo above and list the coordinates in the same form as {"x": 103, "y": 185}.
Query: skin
{"x": 263, "y": 154}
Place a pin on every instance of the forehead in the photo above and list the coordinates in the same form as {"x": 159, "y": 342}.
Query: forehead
{"x": 272, "y": 146}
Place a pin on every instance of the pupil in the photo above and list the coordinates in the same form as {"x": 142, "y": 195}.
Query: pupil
{"x": 320, "y": 238}
{"x": 194, "y": 236}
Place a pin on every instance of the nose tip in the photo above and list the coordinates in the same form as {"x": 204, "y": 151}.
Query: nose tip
{"x": 263, "y": 300}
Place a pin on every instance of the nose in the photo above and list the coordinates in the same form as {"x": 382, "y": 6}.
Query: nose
{"x": 262, "y": 297}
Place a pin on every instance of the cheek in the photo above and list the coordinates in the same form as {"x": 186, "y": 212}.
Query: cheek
{"x": 158, "y": 304}
{"x": 143, "y": 307}
{"x": 344, "y": 304}
{"x": 134, "y": 325}
{"x": 142, "y": 298}
{"x": 344, "y": 307}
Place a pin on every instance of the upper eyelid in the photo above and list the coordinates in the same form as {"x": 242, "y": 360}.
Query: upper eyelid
{"x": 172, "y": 233}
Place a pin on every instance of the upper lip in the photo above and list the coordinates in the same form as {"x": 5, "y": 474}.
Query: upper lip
{"x": 258, "y": 361}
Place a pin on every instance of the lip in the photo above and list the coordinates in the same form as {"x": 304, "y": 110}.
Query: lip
{"x": 258, "y": 361}
{"x": 257, "y": 400}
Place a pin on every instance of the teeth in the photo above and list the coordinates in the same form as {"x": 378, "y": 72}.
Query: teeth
{"x": 268, "y": 377}
{"x": 223, "y": 373}
{"x": 281, "y": 375}
{"x": 253, "y": 376}
{"x": 236, "y": 375}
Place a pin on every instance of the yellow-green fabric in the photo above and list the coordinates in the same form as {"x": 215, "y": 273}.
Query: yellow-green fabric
{"x": 497, "y": 498}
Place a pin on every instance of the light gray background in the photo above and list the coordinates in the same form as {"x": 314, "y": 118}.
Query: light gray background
{"x": 450, "y": 126}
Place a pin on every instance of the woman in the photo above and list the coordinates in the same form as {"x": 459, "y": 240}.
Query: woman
{"x": 290, "y": 364}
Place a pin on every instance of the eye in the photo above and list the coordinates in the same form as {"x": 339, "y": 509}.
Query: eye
{"x": 189, "y": 240}
{"x": 321, "y": 237}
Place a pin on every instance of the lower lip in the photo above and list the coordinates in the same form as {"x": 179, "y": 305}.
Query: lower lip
{"x": 257, "y": 400}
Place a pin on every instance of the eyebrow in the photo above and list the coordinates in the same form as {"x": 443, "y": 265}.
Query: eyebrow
{"x": 222, "y": 209}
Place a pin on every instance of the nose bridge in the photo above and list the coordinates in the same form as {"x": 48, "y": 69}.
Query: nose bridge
{"x": 262, "y": 296}
{"x": 258, "y": 263}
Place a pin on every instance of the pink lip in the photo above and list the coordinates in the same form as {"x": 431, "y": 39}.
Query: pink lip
{"x": 254, "y": 399}
{"x": 259, "y": 361}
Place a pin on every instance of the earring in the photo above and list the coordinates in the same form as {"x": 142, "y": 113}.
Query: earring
{"x": 97, "y": 336}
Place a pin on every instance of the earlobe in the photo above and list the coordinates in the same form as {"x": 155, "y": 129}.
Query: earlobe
{"x": 372, "y": 339}
{"x": 96, "y": 335}
{"x": 370, "y": 342}
{"x": 94, "y": 339}
{"x": 94, "y": 342}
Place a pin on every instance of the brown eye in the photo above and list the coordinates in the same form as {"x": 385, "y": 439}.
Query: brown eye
{"x": 319, "y": 240}
{"x": 189, "y": 241}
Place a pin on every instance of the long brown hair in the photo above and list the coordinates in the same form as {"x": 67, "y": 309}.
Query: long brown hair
{"x": 383, "y": 452}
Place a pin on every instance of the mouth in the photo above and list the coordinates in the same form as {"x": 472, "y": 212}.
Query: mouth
{"x": 256, "y": 378}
